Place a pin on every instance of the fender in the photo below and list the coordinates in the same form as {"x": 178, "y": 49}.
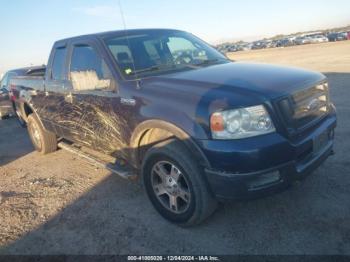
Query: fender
{"x": 24, "y": 100}
{"x": 141, "y": 129}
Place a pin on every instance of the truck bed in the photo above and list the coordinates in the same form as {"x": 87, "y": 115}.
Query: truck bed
{"x": 28, "y": 83}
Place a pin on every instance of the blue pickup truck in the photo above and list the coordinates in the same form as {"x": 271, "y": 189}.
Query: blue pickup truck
{"x": 166, "y": 107}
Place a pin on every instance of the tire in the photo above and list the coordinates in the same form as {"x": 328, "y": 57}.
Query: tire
{"x": 43, "y": 141}
{"x": 165, "y": 162}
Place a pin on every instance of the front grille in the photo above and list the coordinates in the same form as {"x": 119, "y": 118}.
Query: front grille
{"x": 305, "y": 106}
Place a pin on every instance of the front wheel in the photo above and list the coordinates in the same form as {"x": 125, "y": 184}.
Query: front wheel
{"x": 175, "y": 185}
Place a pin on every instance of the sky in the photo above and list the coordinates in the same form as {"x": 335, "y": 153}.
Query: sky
{"x": 30, "y": 27}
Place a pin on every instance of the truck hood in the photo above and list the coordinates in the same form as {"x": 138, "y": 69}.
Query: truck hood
{"x": 264, "y": 80}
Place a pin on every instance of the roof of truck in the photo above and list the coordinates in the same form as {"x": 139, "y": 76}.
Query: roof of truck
{"x": 119, "y": 33}
{"x": 26, "y": 70}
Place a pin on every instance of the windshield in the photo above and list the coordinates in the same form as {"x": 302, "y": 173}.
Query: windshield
{"x": 162, "y": 51}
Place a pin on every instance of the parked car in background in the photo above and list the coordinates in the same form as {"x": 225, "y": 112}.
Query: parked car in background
{"x": 284, "y": 42}
{"x": 272, "y": 44}
{"x": 259, "y": 44}
{"x": 246, "y": 46}
{"x": 318, "y": 39}
{"x": 243, "y": 46}
{"x": 7, "y": 105}
{"x": 233, "y": 47}
{"x": 302, "y": 40}
{"x": 347, "y": 35}
{"x": 337, "y": 36}
{"x": 344, "y": 35}
{"x": 6, "y": 108}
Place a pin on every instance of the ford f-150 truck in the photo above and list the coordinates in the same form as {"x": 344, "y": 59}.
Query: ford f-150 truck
{"x": 168, "y": 108}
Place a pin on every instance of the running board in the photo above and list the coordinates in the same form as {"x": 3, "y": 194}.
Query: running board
{"x": 118, "y": 169}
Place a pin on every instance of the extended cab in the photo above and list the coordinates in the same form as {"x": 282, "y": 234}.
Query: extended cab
{"x": 195, "y": 126}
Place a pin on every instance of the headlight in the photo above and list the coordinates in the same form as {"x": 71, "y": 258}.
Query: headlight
{"x": 241, "y": 123}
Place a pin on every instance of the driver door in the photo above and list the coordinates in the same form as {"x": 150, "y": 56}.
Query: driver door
{"x": 95, "y": 99}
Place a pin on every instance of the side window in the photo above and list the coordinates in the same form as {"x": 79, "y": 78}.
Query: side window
{"x": 58, "y": 63}
{"x": 88, "y": 71}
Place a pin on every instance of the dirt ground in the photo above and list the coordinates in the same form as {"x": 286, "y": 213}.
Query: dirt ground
{"x": 60, "y": 204}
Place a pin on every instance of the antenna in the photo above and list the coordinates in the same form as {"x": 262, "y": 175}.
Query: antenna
{"x": 127, "y": 39}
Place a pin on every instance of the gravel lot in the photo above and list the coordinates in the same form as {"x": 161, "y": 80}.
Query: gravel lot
{"x": 60, "y": 204}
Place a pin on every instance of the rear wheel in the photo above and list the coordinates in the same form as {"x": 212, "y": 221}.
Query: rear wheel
{"x": 175, "y": 185}
{"x": 44, "y": 141}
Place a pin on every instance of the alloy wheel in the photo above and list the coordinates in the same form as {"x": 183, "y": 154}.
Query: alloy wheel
{"x": 171, "y": 187}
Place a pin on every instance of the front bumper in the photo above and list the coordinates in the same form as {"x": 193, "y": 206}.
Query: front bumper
{"x": 265, "y": 164}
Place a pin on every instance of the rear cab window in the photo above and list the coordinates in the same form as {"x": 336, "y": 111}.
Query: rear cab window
{"x": 58, "y": 63}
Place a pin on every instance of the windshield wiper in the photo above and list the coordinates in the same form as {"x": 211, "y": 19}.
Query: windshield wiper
{"x": 152, "y": 69}
{"x": 206, "y": 62}
{"x": 172, "y": 66}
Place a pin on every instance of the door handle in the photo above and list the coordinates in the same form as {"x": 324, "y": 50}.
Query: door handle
{"x": 69, "y": 98}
